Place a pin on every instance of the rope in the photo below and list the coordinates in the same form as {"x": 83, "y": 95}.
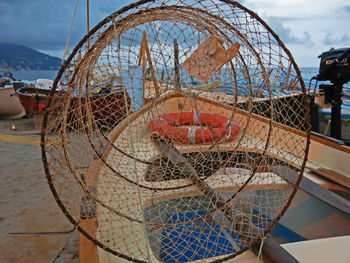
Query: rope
{"x": 259, "y": 257}
{"x": 132, "y": 149}
{"x": 66, "y": 50}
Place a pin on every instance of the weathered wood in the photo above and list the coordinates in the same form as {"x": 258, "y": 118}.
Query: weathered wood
{"x": 148, "y": 53}
{"x": 144, "y": 50}
{"x": 176, "y": 66}
{"x": 314, "y": 189}
{"x": 330, "y": 175}
{"x": 142, "y": 60}
{"x": 208, "y": 58}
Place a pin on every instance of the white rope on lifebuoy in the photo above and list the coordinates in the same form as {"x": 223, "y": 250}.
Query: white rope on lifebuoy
{"x": 191, "y": 136}
{"x": 161, "y": 119}
{"x": 228, "y": 124}
{"x": 196, "y": 118}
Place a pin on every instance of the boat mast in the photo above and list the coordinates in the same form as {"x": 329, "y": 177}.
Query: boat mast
{"x": 87, "y": 21}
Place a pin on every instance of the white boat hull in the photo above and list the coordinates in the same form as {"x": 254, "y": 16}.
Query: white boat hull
{"x": 10, "y": 106}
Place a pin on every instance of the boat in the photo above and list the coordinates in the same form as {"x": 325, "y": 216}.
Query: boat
{"x": 10, "y": 106}
{"x": 195, "y": 174}
{"x": 106, "y": 104}
{"x": 34, "y": 100}
{"x": 317, "y": 222}
{"x": 44, "y": 84}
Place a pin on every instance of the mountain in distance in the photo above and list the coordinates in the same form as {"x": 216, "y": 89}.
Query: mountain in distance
{"x": 17, "y": 57}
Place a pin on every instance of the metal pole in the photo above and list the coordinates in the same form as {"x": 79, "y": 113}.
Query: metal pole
{"x": 336, "y": 111}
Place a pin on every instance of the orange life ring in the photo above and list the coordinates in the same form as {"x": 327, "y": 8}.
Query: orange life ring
{"x": 169, "y": 127}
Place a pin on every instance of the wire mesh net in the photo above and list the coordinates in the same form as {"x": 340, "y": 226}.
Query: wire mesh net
{"x": 163, "y": 125}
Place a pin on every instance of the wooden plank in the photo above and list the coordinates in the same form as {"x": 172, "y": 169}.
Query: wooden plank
{"x": 314, "y": 189}
{"x": 87, "y": 249}
{"x": 208, "y": 58}
{"x": 329, "y": 174}
{"x": 334, "y": 176}
{"x": 143, "y": 60}
{"x": 322, "y": 181}
{"x": 176, "y": 66}
{"x": 148, "y": 53}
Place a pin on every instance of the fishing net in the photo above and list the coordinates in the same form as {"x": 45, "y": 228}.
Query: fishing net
{"x": 164, "y": 125}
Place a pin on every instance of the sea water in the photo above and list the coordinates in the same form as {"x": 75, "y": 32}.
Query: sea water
{"x": 33, "y": 75}
{"x": 135, "y": 88}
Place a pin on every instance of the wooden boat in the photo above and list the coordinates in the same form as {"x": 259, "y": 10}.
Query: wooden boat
{"x": 10, "y": 106}
{"x": 107, "y": 107}
{"x": 33, "y": 99}
{"x": 137, "y": 203}
{"x": 135, "y": 195}
{"x": 309, "y": 223}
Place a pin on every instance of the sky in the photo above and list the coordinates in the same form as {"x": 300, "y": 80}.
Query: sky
{"x": 307, "y": 27}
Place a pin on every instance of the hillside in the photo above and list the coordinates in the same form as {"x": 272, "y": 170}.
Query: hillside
{"x": 16, "y": 57}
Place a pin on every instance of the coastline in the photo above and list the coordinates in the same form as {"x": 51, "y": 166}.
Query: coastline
{"x": 32, "y": 75}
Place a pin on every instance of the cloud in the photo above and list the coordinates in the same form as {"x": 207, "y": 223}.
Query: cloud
{"x": 45, "y": 24}
{"x": 329, "y": 39}
{"x": 346, "y": 8}
{"x": 37, "y": 24}
{"x": 285, "y": 33}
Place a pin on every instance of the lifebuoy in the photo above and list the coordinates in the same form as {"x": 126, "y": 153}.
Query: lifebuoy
{"x": 170, "y": 127}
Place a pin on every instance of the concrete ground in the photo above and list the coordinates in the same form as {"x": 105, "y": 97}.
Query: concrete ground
{"x": 32, "y": 227}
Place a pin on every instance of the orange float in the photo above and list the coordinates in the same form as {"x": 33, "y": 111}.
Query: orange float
{"x": 212, "y": 127}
